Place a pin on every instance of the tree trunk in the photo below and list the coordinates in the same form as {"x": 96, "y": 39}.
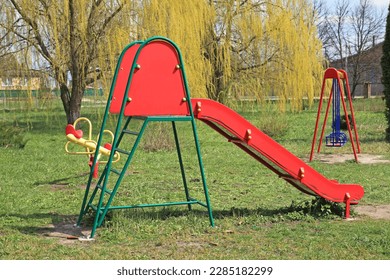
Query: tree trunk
{"x": 72, "y": 102}
{"x": 65, "y": 98}
{"x": 75, "y": 100}
{"x": 215, "y": 90}
{"x": 77, "y": 56}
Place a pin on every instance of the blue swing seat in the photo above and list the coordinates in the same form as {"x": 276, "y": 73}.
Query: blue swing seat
{"x": 336, "y": 139}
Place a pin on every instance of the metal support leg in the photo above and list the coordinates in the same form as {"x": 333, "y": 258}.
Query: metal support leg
{"x": 347, "y": 205}
{"x": 183, "y": 175}
{"x": 200, "y": 161}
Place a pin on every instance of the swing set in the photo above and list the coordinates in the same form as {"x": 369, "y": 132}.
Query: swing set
{"x": 339, "y": 91}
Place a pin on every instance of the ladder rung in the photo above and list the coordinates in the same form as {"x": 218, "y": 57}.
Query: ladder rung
{"x": 116, "y": 171}
{"x": 95, "y": 208}
{"x": 122, "y": 151}
{"x": 106, "y": 191}
{"x": 130, "y": 132}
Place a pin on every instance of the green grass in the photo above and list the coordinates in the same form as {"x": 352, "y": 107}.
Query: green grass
{"x": 257, "y": 215}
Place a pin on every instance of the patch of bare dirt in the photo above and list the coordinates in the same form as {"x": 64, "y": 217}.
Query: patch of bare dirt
{"x": 341, "y": 158}
{"x": 66, "y": 231}
{"x": 374, "y": 211}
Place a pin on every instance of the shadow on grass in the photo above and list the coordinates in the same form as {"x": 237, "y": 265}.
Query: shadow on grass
{"x": 63, "y": 226}
{"x": 168, "y": 213}
{"x": 61, "y": 181}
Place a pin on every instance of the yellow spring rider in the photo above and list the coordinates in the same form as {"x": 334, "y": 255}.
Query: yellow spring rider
{"x": 76, "y": 136}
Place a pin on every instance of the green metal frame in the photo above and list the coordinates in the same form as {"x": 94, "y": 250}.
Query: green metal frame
{"x": 102, "y": 183}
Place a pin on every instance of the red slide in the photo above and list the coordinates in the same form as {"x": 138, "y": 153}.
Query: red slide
{"x": 274, "y": 156}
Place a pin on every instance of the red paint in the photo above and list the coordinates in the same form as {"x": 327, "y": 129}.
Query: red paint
{"x": 121, "y": 79}
{"x": 151, "y": 83}
{"x": 70, "y": 129}
{"x": 156, "y": 88}
{"x": 96, "y": 169}
{"x": 108, "y": 146}
{"x": 289, "y": 167}
{"x": 347, "y": 205}
{"x": 342, "y": 79}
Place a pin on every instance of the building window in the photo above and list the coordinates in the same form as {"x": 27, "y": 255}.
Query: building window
{"x": 24, "y": 81}
{"x": 6, "y": 82}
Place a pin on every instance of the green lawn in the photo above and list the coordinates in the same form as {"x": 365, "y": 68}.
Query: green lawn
{"x": 257, "y": 215}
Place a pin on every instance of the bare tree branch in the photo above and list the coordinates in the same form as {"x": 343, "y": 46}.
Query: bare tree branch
{"x": 34, "y": 26}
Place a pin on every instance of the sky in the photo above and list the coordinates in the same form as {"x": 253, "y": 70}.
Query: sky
{"x": 379, "y": 3}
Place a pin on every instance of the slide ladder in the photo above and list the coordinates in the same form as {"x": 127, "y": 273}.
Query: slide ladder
{"x": 149, "y": 85}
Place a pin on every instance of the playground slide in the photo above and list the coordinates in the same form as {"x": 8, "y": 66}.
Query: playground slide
{"x": 274, "y": 156}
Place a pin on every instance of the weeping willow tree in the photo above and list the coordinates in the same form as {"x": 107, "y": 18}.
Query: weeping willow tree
{"x": 267, "y": 50}
{"x": 232, "y": 48}
{"x": 296, "y": 66}
{"x": 187, "y": 24}
{"x": 237, "y": 48}
{"x": 73, "y": 41}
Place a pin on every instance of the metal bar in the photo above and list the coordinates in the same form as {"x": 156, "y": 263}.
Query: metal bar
{"x": 130, "y": 132}
{"x": 95, "y": 208}
{"x": 336, "y": 107}
{"x": 103, "y": 181}
{"x": 115, "y": 143}
{"x": 106, "y": 190}
{"x": 192, "y": 119}
{"x": 126, "y": 165}
{"x": 89, "y": 203}
{"x": 195, "y": 134}
{"x": 124, "y": 129}
{"x": 352, "y": 111}
{"x": 122, "y": 151}
{"x": 183, "y": 174}
{"x": 347, "y": 201}
{"x": 117, "y": 172}
{"x": 348, "y": 125}
{"x": 325, "y": 119}
{"x": 84, "y": 206}
{"x": 153, "y": 205}
{"x": 169, "y": 118}
{"x": 313, "y": 143}
{"x": 202, "y": 204}
{"x": 201, "y": 169}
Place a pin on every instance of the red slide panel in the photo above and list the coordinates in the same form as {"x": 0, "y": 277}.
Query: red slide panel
{"x": 156, "y": 84}
{"x": 273, "y": 155}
